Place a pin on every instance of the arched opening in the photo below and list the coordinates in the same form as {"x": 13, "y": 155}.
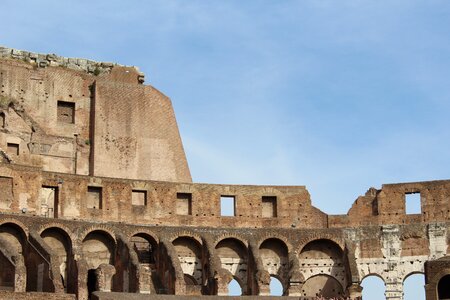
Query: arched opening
{"x": 276, "y": 288}
{"x": 145, "y": 247}
{"x": 274, "y": 256}
{"x": 98, "y": 248}
{"x": 322, "y": 285}
{"x": 189, "y": 253}
{"x": 414, "y": 287}
{"x": 12, "y": 238}
{"x": 60, "y": 243}
{"x": 14, "y": 235}
{"x": 234, "y": 258}
{"x": 443, "y": 288}
{"x": 373, "y": 288}
{"x": 323, "y": 257}
{"x": 234, "y": 288}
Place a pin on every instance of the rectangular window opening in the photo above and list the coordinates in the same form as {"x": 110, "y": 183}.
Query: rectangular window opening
{"x": 412, "y": 203}
{"x": 49, "y": 201}
{"x": 94, "y": 197}
{"x": 138, "y": 198}
{"x": 184, "y": 204}
{"x": 12, "y": 149}
{"x": 227, "y": 206}
{"x": 66, "y": 112}
{"x": 269, "y": 206}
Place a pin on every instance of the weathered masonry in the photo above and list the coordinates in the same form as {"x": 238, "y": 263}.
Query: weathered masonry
{"x": 97, "y": 202}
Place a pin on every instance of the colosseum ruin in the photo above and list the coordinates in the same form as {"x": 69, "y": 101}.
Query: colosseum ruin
{"x": 98, "y": 202}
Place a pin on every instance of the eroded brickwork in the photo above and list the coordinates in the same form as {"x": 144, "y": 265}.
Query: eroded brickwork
{"x": 97, "y": 196}
{"x": 61, "y": 116}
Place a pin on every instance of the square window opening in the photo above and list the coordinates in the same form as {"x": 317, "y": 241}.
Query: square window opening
{"x": 227, "y": 206}
{"x": 94, "y": 197}
{"x": 66, "y": 112}
{"x": 13, "y": 149}
{"x": 412, "y": 203}
{"x": 269, "y": 206}
{"x": 139, "y": 198}
{"x": 184, "y": 204}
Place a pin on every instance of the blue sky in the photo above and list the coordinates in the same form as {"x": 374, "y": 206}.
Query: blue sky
{"x": 339, "y": 96}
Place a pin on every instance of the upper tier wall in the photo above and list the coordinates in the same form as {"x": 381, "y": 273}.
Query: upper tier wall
{"x": 65, "y": 116}
{"x": 30, "y": 191}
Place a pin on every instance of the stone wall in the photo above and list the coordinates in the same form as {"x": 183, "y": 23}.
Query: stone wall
{"x": 52, "y": 60}
{"x": 60, "y": 115}
{"x": 151, "y": 259}
{"x": 97, "y": 201}
{"x": 193, "y": 204}
{"x": 35, "y": 296}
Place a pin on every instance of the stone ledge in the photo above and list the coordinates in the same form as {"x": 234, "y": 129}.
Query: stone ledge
{"x": 131, "y": 296}
{"x": 35, "y": 296}
{"x": 44, "y": 60}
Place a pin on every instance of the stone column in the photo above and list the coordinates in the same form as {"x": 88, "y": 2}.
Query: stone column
{"x": 295, "y": 288}
{"x": 437, "y": 235}
{"x": 20, "y": 277}
{"x": 355, "y": 291}
{"x": 144, "y": 279}
{"x": 104, "y": 274}
{"x": 394, "y": 290}
{"x": 223, "y": 278}
{"x": 296, "y": 278}
{"x": 391, "y": 250}
{"x": 262, "y": 276}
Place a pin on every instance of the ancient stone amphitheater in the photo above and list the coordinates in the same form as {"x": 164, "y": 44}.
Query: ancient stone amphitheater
{"x": 97, "y": 202}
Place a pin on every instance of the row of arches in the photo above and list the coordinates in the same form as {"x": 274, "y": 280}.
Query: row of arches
{"x": 322, "y": 261}
{"x": 413, "y": 287}
{"x": 98, "y": 248}
{"x": 182, "y": 265}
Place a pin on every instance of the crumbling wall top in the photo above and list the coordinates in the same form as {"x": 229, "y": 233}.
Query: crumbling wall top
{"x": 79, "y": 64}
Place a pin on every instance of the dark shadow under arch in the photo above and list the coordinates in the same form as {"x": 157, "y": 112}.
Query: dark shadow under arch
{"x": 322, "y": 285}
{"x": 444, "y": 287}
{"x": 146, "y": 248}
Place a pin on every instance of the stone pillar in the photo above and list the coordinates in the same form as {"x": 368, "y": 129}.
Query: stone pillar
{"x": 104, "y": 274}
{"x": 296, "y": 278}
{"x": 263, "y": 281}
{"x": 295, "y": 288}
{"x": 82, "y": 274}
{"x": 355, "y": 291}
{"x": 223, "y": 278}
{"x": 20, "y": 277}
{"x": 391, "y": 250}
{"x": 144, "y": 279}
{"x": 262, "y": 275}
{"x": 394, "y": 291}
{"x": 437, "y": 235}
